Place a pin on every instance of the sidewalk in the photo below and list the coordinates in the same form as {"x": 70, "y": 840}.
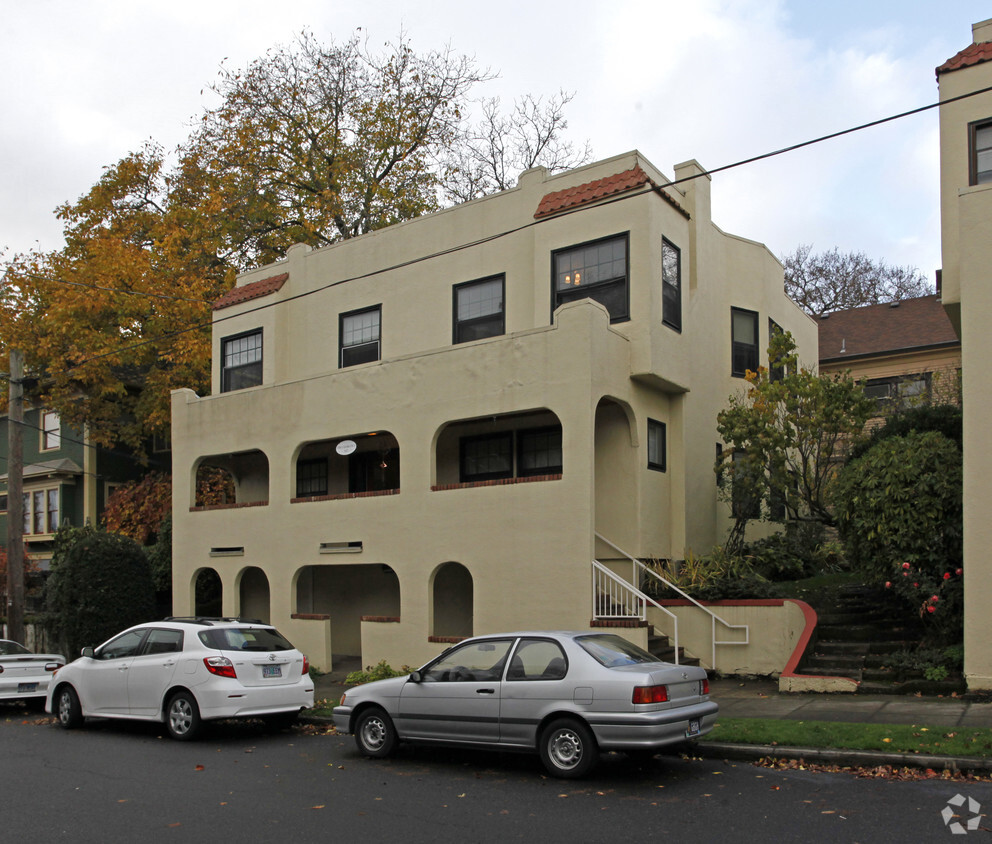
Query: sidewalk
{"x": 760, "y": 698}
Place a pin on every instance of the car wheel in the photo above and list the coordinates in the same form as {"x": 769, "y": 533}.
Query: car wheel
{"x": 70, "y": 713}
{"x": 568, "y": 749}
{"x": 182, "y": 717}
{"x": 282, "y": 721}
{"x": 375, "y": 734}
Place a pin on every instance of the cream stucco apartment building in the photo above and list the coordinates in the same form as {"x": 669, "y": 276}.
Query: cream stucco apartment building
{"x": 429, "y": 426}
{"x": 965, "y": 83}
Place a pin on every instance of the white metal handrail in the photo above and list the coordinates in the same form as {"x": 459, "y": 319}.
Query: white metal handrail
{"x": 639, "y": 568}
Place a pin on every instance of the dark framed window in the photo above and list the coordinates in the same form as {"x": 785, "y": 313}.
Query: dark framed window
{"x": 899, "y": 392}
{"x": 744, "y": 341}
{"x": 486, "y": 458}
{"x": 241, "y": 361}
{"x": 980, "y": 152}
{"x": 311, "y": 477}
{"x": 359, "y": 333}
{"x": 369, "y": 471}
{"x": 595, "y": 270}
{"x": 671, "y": 285}
{"x": 657, "y": 445}
{"x": 539, "y": 452}
{"x": 478, "y": 309}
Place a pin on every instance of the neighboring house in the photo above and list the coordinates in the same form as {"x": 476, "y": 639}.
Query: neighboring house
{"x": 906, "y": 353}
{"x": 966, "y": 246}
{"x": 428, "y": 427}
{"x": 66, "y": 480}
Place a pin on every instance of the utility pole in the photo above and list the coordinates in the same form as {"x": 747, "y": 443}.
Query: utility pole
{"x": 15, "y": 500}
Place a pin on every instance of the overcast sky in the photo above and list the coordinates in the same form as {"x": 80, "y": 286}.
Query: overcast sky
{"x": 87, "y": 81}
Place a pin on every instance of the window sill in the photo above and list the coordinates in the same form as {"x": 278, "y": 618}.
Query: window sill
{"x": 381, "y": 619}
{"x": 235, "y": 506}
{"x": 497, "y": 482}
{"x": 310, "y": 616}
{"x": 343, "y": 496}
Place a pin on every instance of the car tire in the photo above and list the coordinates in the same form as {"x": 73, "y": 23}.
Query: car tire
{"x": 375, "y": 734}
{"x": 67, "y": 708}
{"x": 568, "y": 749}
{"x": 282, "y": 721}
{"x": 182, "y": 717}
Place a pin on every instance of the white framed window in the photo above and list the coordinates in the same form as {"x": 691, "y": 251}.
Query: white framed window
{"x": 41, "y": 511}
{"x": 51, "y": 431}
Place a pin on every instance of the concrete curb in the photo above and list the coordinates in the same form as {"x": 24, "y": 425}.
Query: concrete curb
{"x": 841, "y": 757}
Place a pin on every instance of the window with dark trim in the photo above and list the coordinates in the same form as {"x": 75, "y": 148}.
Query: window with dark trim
{"x": 744, "y": 341}
{"x": 657, "y": 445}
{"x": 311, "y": 477}
{"x": 241, "y": 361}
{"x": 491, "y": 456}
{"x": 478, "y": 309}
{"x": 899, "y": 392}
{"x": 595, "y": 270}
{"x": 980, "y": 152}
{"x": 359, "y": 333}
{"x": 671, "y": 285}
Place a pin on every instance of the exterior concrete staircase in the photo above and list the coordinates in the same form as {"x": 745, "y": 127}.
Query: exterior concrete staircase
{"x": 661, "y": 646}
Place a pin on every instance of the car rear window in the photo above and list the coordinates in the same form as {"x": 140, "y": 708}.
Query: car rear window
{"x": 611, "y": 650}
{"x": 244, "y": 639}
{"x": 12, "y": 648}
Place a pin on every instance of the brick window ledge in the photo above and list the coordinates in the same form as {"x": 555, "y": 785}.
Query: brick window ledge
{"x": 206, "y": 507}
{"x": 382, "y": 619}
{"x": 310, "y": 616}
{"x": 447, "y": 640}
{"x": 341, "y": 496}
{"x": 497, "y": 482}
{"x": 618, "y": 622}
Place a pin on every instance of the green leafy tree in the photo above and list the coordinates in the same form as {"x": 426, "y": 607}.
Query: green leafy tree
{"x": 787, "y": 431}
{"x": 900, "y": 516}
{"x": 100, "y": 584}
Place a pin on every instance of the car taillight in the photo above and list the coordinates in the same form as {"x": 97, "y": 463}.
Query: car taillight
{"x": 650, "y": 694}
{"x": 704, "y": 686}
{"x": 306, "y": 665}
{"x": 220, "y": 665}
{"x": 52, "y": 666}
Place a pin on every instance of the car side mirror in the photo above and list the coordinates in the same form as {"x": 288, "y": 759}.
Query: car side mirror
{"x": 87, "y": 652}
{"x": 415, "y": 677}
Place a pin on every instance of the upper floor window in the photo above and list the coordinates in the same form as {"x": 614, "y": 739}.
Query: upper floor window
{"x": 980, "y": 143}
{"x": 657, "y": 436}
{"x": 596, "y": 270}
{"x": 744, "y": 340}
{"x": 899, "y": 391}
{"x": 51, "y": 431}
{"x": 491, "y": 456}
{"x": 479, "y": 309}
{"x": 41, "y": 511}
{"x": 359, "y": 332}
{"x": 671, "y": 285}
{"x": 241, "y": 361}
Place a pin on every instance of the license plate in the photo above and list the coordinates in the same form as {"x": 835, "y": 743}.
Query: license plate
{"x": 693, "y": 728}
{"x": 24, "y": 688}
{"x": 272, "y": 671}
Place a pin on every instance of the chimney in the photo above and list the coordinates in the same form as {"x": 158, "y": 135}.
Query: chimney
{"x": 982, "y": 32}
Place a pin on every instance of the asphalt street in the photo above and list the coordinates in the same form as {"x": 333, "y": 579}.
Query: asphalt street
{"x": 116, "y": 782}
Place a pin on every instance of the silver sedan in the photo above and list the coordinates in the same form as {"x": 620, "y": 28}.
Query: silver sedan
{"x": 25, "y": 675}
{"x": 564, "y": 695}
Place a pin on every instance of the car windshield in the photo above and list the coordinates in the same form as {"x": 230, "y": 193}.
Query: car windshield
{"x": 244, "y": 639}
{"x": 611, "y": 650}
{"x": 12, "y": 649}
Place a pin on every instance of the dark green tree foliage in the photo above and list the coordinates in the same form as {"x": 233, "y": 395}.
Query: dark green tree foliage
{"x": 943, "y": 418}
{"x": 899, "y": 513}
{"x": 101, "y": 583}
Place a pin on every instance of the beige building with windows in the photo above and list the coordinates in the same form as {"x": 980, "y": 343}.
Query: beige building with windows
{"x": 965, "y": 81}
{"x": 430, "y": 430}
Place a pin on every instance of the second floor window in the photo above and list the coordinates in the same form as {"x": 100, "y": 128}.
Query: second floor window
{"x": 479, "y": 309}
{"x": 491, "y": 456}
{"x": 359, "y": 331}
{"x": 311, "y": 477}
{"x": 671, "y": 285}
{"x": 744, "y": 340}
{"x": 41, "y": 511}
{"x": 656, "y": 445}
{"x": 51, "y": 434}
{"x": 241, "y": 361}
{"x": 596, "y": 270}
{"x": 981, "y": 153}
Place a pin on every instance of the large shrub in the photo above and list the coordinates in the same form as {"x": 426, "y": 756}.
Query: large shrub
{"x": 899, "y": 513}
{"x": 946, "y": 419}
{"x": 100, "y": 584}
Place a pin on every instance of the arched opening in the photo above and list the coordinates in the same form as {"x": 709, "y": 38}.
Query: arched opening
{"x": 616, "y": 453}
{"x": 223, "y": 480}
{"x": 254, "y": 595}
{"x": 358, "y": 464}
{"x": 208, "y": 594}
{"x": 452, "y": 601}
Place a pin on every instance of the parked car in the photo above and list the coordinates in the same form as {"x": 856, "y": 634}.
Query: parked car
{"x": 564, "y": 695}
{"x": 25, "y": 675}
{"x": 185, "y": 672}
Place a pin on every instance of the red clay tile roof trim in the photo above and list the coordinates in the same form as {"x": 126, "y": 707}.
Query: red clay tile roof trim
{"x": 971, "y": 55}
{"x": 247, "y": 292}
{"x": 569, "y": 198}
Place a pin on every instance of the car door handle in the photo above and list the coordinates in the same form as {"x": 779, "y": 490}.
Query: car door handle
{"x": 122, "y": 668}
{"x": 485, "y": 691}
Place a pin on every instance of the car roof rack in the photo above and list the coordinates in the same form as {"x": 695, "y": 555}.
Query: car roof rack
{"x": 211, "y": 620}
